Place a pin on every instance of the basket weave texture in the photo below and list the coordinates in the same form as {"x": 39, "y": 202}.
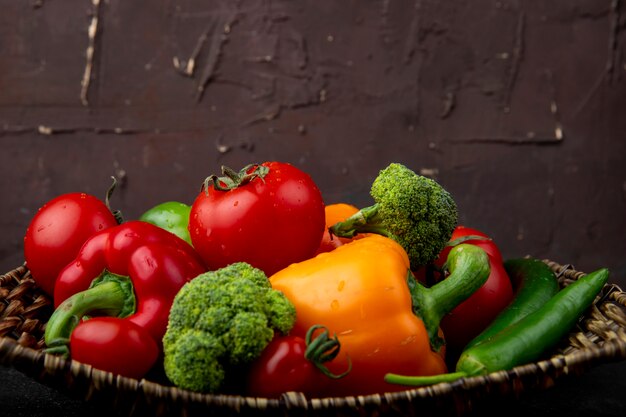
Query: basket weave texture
{"x": 599, "y": 337}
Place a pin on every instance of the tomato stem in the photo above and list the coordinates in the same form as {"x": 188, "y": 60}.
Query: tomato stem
{"x": 232, "y": 179}
{"x": 323, "y": 349}
{"x": 116, "y": 213}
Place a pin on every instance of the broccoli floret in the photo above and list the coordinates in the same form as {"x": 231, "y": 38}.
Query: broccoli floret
{"x": 411, "y": 209}
{"x": 247, "y": 271}
{"x": 222, "y": 319}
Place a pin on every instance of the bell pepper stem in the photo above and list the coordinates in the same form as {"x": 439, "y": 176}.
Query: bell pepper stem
{"x": 110, "y": 295}
{"x": 469, "y": 269}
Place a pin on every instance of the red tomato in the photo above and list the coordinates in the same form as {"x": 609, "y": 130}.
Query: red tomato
{"x": 470, "y": 317}
{"x": 115, "y": 345}
{"x": 281, "y": 368}
{"x": 57, "y": 232}
{"x": 293, "y": 363}
{"x": 269, "y": 220}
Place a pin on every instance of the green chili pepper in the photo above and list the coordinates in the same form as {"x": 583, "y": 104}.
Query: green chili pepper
{"x": 172, "y": 216}
{"x": 534, "y": 283}
{"x": 526, "y": 340}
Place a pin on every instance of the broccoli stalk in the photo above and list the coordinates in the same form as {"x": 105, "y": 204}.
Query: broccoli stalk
{"x": 219, "y": 320}
{"x": 413, "y": 210}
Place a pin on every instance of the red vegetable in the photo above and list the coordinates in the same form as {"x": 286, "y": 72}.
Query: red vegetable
{"x": 292, "y": 363}
{"x": 469, "y": 318}
{"x": 114, "y": 344}
{"x": 58, "y": 230}
{"x": 132, "y": 271}
{"x": 268, "y": 215}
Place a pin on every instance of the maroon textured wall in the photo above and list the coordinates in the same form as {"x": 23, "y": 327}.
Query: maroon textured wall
{"x": 517, "y": 108}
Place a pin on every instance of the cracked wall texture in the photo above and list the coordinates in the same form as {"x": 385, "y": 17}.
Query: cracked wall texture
{"x": 518, "y": 108}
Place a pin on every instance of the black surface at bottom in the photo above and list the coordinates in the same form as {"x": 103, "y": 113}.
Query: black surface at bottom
{"x": 601, "y": 392}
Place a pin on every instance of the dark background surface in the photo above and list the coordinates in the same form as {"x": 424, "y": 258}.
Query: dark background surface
{"x": 517, "y": 108}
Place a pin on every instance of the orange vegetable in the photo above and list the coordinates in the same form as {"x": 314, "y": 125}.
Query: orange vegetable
{"x": 364, "y": 293}
{"x": 335, "y": 213}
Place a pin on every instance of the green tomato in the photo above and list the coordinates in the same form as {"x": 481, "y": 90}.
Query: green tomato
{"x": 172, "y": 216}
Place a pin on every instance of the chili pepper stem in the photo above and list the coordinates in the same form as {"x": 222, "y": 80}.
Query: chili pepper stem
{"x": 469, "y": 270}
{"x": 110, "y": 295}
{"x": 423, "y": 380}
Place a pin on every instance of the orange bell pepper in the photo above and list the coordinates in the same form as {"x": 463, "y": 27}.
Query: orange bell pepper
{"x": 365, "y": 293}
{"x": 335, "y": 213}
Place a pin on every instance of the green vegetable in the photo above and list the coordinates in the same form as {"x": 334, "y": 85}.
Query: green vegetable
{"x": 526, "y": 340}
{"x": 219, "y": 320}
{"x": 468, "y": 267}
{"x": 534, "y": 283}
{"x": 415, "y": 211}
{"x": 172, "y": 216}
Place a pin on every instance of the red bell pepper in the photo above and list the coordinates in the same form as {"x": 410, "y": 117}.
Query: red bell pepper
{"x": 473, "y": 315}
{"x": 131, "y": 271}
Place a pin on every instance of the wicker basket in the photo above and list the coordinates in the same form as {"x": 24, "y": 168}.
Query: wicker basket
{"x": 600, "y": 337}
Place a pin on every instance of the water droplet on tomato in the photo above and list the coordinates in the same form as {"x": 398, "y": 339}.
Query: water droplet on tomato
{"x": 334, "y": 305}
{"x": 342, "y": 284}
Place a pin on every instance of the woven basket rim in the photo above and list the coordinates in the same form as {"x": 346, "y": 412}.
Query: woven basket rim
{"x": 46, "y": 367}
{"x": 610, "y": 350}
